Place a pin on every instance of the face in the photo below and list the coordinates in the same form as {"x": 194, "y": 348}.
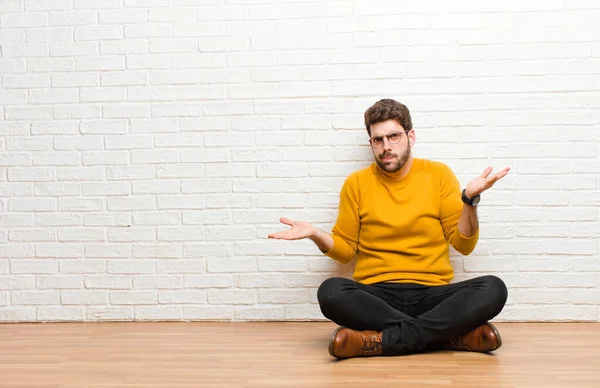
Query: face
{"x": 391, "y": 157}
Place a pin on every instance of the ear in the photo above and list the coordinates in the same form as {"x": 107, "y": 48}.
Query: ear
{"x": 412, "y": 138}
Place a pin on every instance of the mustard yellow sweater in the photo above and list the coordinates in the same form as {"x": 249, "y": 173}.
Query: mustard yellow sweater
{"x": 399, "y": 230}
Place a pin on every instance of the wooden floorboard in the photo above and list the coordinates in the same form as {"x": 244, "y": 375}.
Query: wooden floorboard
{"x": 277, "y": 354}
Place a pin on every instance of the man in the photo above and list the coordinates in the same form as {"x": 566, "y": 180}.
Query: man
{"x": 398, "y": 217}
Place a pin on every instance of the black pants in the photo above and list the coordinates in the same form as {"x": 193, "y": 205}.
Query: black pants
{"x": 412, "y": 317}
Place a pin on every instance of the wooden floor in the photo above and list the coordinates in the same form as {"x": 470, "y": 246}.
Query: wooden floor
{"x": 281, "y": 355}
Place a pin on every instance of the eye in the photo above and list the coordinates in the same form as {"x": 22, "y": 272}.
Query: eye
{"x": 394, "y": 136}
{"x": 378, "y": 139}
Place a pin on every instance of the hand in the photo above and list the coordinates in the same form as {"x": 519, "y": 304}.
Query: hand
{"x": 298, "y": 230}
{"x": 484, "y": 181}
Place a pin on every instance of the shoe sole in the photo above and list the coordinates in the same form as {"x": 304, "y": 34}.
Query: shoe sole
{"x": 331, "y": 342}
{"x": 497, "y": 336}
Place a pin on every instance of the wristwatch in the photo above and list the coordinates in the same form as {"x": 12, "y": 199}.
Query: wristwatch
{"x": 470, "y": 201}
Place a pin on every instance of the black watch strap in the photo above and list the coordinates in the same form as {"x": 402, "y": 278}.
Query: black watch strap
{"x": 470, "y": 201}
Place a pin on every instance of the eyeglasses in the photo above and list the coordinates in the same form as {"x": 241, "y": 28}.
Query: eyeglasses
{"x": 393, "y": 138}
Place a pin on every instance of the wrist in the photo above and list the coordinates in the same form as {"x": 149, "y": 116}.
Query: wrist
{"x": 314, "y": 235}
{"x": 470, "y": 199}
{"x": 470, "y": 194}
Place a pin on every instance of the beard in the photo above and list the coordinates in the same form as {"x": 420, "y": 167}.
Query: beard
{"x": 393, "y": 165}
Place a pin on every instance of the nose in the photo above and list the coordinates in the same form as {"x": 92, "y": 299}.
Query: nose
{"x": 387, "y": 145}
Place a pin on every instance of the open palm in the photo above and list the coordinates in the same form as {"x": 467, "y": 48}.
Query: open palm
{"x": 484, "y": 181}
{"x": 298, "y": 230}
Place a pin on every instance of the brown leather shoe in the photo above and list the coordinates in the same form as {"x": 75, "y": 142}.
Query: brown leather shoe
{"x": 484, "y": 338}
{"x": 346, "y": 343}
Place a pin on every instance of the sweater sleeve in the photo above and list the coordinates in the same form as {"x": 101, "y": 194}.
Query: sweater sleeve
{"x": 450, "y": 209}
{"x": 346, "y": 230}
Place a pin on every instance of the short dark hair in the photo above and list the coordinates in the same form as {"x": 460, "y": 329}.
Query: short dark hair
{"x": 388, "y": 109}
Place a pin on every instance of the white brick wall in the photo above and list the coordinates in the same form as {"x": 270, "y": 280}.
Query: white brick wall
{"x": 149, "y": 146}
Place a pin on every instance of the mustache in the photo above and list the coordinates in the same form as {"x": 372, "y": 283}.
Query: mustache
{"x": 386, "y": 154}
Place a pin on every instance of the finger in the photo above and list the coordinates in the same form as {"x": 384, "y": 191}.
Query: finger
{"x": 486, "y": 172}
{"x": 279, "y": 235}
{"x": 500, "y": 174}
{"x": 490, "y": 180}
{"x": 285, "y": 236}
{"x": 287, "y": 221}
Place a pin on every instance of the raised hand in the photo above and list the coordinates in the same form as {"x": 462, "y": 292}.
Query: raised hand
{"x": 484, "y": 181}
{"x": 298, "y": 230}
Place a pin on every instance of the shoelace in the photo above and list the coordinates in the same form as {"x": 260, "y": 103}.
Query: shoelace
{"x": 457, "y": 342}
{"x": 370, "y": 345}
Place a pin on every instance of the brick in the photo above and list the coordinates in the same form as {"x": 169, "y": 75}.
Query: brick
{"x": 41, "y": 5}
{"x": 26, "y": 50}
{"x": 207, "y": 281}
{"x": 55, "y": 219}
{"x": 157, "y": 218}
{"x": 155, "y": 156}
{"x": 274, "y": 264}
{"x": 123, "y": 78}
{"x": 29, "y": 144}
{"x": 180, "y": 171}
{"x": 259, "y": 281}
{"x": 95, "y": 33}
{"x": 125, "y": 110}
{"x": 177, "y": 14}
{"x": 131, "y": 234}
{"x": 82, "y": 267}
{"x": 209, "y": 313}
{"x": 182, "y": 267}
{"x": 181, "y": 234}
{"x": 130, "y": 203}
{"x": 153, "y": 282}
{"x": 35, "y": 298}
{"x": 48, "y": 34}
{"x": 32, "y": 235}
{"x": 303, "y": 312}
{"x": 231, "y": 297}
{"x": 156, "y": 187}
{"x": 112, "y": 282}
{"x": 172, "y": 251}
{"x": 127, "y": 173}
{"x": 113, "y": 251}
{"x": 20, "y": 20}
{"x": 59, "y": 282}
{"x": 232, "y": 265}
{"x": 150, "y": 61}
{"x": 32, "y": 204}
{"x": 72, "y": 18}
{"x": 110, "y": 313}
{"x": 182, "y": 296}
{"x": 133, "y": 297}
{"x": 206, "y": 217}
{"x": 31, "y": 174}
{"x": 181, "y": 140}
{"x": 259, "y": 313}
{"x": 81, "y": 234}
{"x": 60, "y": 314}
{"x": 126, "y": 267}
{"x": 79, "y": 111}
{"x": 283, "y": 296}
{"x": 122, "y": 16}
{"x": 84, "y": 297}
{"x": 162, "y": 77}
{"x": 33, "y": 267}
{"x": 17, "y": 314}
{"x": 107, "y": 219}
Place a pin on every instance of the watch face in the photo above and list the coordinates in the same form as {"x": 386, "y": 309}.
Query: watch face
{"x": 476, "y": 200}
